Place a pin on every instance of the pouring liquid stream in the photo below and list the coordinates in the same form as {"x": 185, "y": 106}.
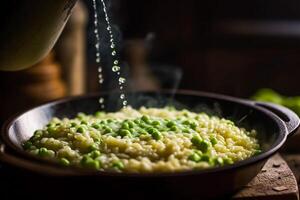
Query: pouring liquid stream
{"x": 116, "y": 64}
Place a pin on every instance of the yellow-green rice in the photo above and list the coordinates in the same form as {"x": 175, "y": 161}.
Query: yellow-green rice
{"x": 144, "y": 140}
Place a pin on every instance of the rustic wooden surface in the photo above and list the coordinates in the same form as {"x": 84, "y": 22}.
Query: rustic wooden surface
{"x": 275, "y": 181}
{"x": 293, "y": 161}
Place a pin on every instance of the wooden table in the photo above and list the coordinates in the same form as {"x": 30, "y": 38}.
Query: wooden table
{"x": 275, "y": 181}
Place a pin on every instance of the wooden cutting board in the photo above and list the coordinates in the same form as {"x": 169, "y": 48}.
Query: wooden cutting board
{"x": 275, "y": 181}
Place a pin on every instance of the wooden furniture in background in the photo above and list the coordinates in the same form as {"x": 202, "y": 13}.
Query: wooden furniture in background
{"x": 40, "y": 83}
{"x": 70, "y": 51}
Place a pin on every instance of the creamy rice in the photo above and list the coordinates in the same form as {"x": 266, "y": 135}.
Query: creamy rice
{"x": 144, "y": 140}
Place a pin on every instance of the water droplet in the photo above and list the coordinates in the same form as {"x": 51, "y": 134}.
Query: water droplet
{"x": 101, "y": 100}
{"x": 115, "y": 68}
{"x": 122, "y": 80}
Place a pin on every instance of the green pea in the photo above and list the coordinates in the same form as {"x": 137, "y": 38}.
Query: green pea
{"x": 227, "y": 161}
{"x": 96, "y": 126}
{"x": 193, "y": 125}
{"x": 186, "y": 130}
{"x": 218, "y": 161}
{"x": 196, "y": 140}
{"x": 92, "y": 147}
{"x": 51, "y": 153}
{"x": 132, "y": 130}
{"x": 213, "y": 140}
{"x": 145, "y": 118}
{"x": 118, "y": 165}
{"x": 202, "y": 145}
{"x": 64, "y": 162}
{"x": 38, "y": 132}
{"x": 186, "y": 122}
{"x": 125, "y": 125}
{"x": 194, "y": 157}
{"x": 90, "y": 163}
{"x": 51, "y": 130}
{"x": 99, "y": 113}
{"x": 156, "y": 135}
{"x": 34, "y": 151}
{"x": 155, "y": 123}
{"x": 95, "y": 154}
{"x": 124, "y": 132}
{"x": 43, "y": 152}
{"x": 205, "y": 158}
{"x": 73, "y": 124}
{"x": 174, "y": 128}
{"x": 142, "y": 131}
{"x": 51, "y": 124}
{"x": 80, "y": 129}
{"x": 81, "y": 116}
{"x": 84, "y": 122}
{"x": 108, "y": 130}
{"x": 137, "y": 121}
{"x": 109, "y": 120}
{"x": 150, "y": 130}
{"x": 27, "y": 145}
{"x": 257, "y": 152}
{"x": 85, "y": 158}
{"x": 170, "y": 124}
{"x": 186, "y": 114}
{"x": 131, "y": 124}
{"x": 162, "y": 129}
{"x": 144, "y": 125}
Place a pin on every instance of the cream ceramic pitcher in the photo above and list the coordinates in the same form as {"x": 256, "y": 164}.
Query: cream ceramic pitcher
{"x": 29, "y": 30}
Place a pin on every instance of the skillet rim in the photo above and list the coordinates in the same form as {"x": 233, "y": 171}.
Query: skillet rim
{"x": 283, "y": 132}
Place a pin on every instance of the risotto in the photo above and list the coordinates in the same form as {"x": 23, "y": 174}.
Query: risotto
{"x": 143, "y": 140}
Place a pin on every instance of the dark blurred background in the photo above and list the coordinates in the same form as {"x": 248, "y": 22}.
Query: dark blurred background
{"x": 230, "y": 47}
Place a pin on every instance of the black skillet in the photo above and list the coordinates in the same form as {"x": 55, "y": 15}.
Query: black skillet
{"x": 274, "y": 124}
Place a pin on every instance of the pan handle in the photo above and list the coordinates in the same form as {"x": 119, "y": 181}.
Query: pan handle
{"x": 289, "y": 117}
